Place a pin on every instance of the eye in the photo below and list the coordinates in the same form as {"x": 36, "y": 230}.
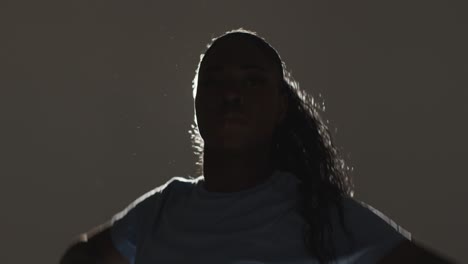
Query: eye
{"x": 254, "y": 81}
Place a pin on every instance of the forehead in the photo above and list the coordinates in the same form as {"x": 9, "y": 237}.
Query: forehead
{"x": 238, "y": 52}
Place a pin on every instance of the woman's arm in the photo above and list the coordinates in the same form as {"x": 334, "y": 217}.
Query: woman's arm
{"x": 412, "y": 252}
{"x": 93, "y": 247}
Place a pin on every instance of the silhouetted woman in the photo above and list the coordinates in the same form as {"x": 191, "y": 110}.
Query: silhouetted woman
{"x": 272, "y": 187}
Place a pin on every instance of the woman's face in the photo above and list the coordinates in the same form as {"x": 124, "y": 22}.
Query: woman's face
{"x": 238, "y": 103}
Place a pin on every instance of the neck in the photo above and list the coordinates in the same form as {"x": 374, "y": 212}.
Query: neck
{"x": 228, "y": 172}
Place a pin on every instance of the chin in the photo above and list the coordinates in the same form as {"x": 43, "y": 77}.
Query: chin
{"x": 230, "y": 145}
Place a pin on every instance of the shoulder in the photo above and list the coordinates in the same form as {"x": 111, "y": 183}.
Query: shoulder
{"x": 174, "y": 184}
{"x": 365, "y": 218}
{"x": 179, "y": 186}
{"x": 130, "y": 226}
{"x": 184, "y": 182}
{"x": 386, "y": 241}
{"x": 139, "y": 209}
{"x": 369, "y": 234}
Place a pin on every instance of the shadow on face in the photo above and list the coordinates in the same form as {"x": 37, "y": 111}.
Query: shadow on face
{"x": 238, "y": 103}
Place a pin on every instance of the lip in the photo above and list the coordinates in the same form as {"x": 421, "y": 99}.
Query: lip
{"x": 231, "y": 114}
{"x": 232, "y": 118}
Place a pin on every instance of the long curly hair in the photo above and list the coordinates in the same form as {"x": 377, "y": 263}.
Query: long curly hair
{"x": 304, "y": 147}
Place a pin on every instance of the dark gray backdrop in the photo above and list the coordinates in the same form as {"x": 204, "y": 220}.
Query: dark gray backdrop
{"x": 96, "y": 102}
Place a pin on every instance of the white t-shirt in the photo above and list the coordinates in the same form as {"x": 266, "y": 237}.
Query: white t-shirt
{"x": 259, "y": 225}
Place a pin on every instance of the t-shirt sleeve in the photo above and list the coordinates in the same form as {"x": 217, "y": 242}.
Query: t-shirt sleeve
{"x": 375, "y": 234}
{"x": 128, "y": 225}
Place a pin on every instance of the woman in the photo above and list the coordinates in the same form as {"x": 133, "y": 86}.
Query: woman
{"x": 272, "y": 186}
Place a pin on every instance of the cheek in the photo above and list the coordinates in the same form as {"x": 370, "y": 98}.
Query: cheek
{"x": 200, "y": 110}
{"x": 264, "y": 117}
{"x": 204, "y": 100}
{"x": 201, "y": 103}
{"x": 204, "y": 112}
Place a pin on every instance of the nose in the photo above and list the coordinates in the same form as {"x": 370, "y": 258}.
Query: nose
{"x": 232, "y": 92}
{"x": 231, "y": 98}
{"x": 233, "y": 101}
